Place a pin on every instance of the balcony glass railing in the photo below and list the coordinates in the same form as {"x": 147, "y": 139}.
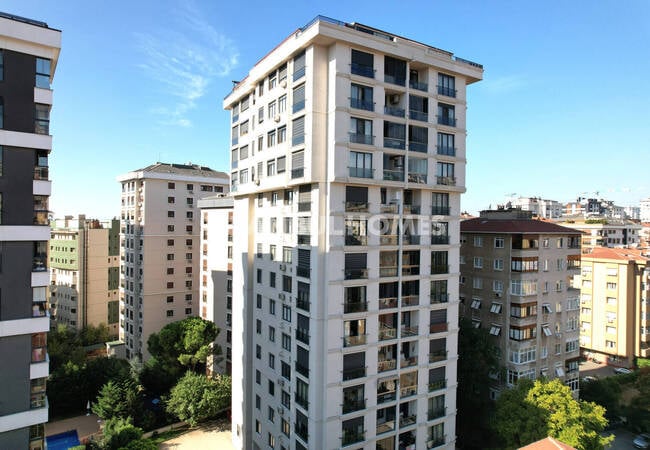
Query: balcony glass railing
{"x": 361, "y": 172}
{"x": 419, "y": 178}
{"x": 439, "y": 297}
{"x": 411, "y": 209}
{"x": 418, "y": 85}
{"x": 399, "y": 80}
{"x": 444, "y": 90}
{"x": 362, "y": 104}
{"x": 437, "y": 442}
{"x": 394, "y": 111}
{"x": 439, "y": 240}
{"x": 353, "y": 405}
{"x": 388, "y": 239}
{"x": 436, "y": 385}
{"x": 409, "y": 331}
{"x": 387, "y": 271}
{"x": 407, "y": 391}
{"x": 355, "y": 307}
{"x": 393, "y": 175}
{"x": 356, "y": 240}
{"x": 419, "y": 115}
{"x": 408, "y": 361}
{"x": 436, "y": 413}
{"x": 387, "y": 333}
{"x": 388, "y": 364}
{"x": 351, "y": 374}
{"x": 410, "y": 300}
{"x": 388, "y": 302}
{"x": 445, "y": 150}
{"x": 356, "y": 207}
{"x": 440, "y": 210}
{"x": 449, "y": 121}
{"x": 383, "y": 396}
{"x": 438, "y": 327}
{"x": 394, "y": 142}
{"x": 360, "y": 138}
{"x": 389, "y": 209}
{"x": 415, "y": 146}
{"x": 351, "y": 437}
{"x": 363, "y": 70}
{"x": 411, "y": 239}
{"x": 437, "y": 355}
{"x": 446, "y": 181}
{"x": 407, "y": 420}
{"x": 298, "y": 172}
{"x": 351, "y": 341}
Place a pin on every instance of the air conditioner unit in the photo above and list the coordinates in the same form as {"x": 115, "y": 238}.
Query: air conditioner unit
{"x": 283, "y": 83}
{"x": 277, "y": 117}
{"x": 257, "y": 182}
{"x": 281, "y": 296}
{"x": 283, "y": 267}
{"x": 394, "y": 99}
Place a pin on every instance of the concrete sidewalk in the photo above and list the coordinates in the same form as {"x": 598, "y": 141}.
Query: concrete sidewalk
{"x": 215, "y": 435}
{"x": 85, "y": 426}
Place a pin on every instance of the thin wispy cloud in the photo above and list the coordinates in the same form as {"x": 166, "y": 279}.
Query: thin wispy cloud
{"x": 184, "y": 61}
{"x": 504, "y": 84}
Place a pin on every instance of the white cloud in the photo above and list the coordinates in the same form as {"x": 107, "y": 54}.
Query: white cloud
{"x": 183, "y": 62}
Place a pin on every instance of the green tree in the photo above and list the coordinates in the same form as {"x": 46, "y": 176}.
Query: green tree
{"x": 141, "y": 444}
{"x": 64, "y": 345}
{"x": 178, "y": 346}
{"x": 119, "y": 432}
{"x": 92, "y": 335}
{"x": 605, "y": 392}
{"x": 118, "y": 399}
{"x": 478, "y": 358}
{"x": 196, "y": 398}
{"x": 532, "y": 411}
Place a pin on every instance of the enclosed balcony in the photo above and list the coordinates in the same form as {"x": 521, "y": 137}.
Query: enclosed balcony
{"x": 388, "y": 293}
{"x": 354, "y": 366}
{"x": 394, "y": 135}
{"x": 437, "y": 350}
{"x": 387, "y": 358}
{"x": 355, "y": 300}
{"x": 394, "y": 71}
{"x": 352, "y": 431}
{"x": 417, "y": 170}
{"x": 354, "y": 332}
{"x": 439, "y": 262}
{"x": 358, "y": 103}
{"x": 437, "y": 379}
{"x": 361, "y": 172}
{"x": 408, "y": 384}
{"x": 39, "y": 261}
{"x": 411, "y": 266}
{"x": 393, "y": 167}
{"x": 387, "y": 326}
{"x": 409, "y": 354}
{"x": 408, "y": 414}
{"x": 440, "y": 233}
{"x": 356, "y": 232}
{"x": 386, "y": 389}
{"x": 409, "y": 326}
{"x": 436, "y": 408}
{"x": 438, "y": 321}
{"x": 388, "y": 264}
{"x": 418, "y": 78}
{"x": 386, "y": 419}
{"x": 353, "y": 399}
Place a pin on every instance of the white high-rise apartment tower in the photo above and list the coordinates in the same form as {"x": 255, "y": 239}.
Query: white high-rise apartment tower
{"x": 159, "y": 247}
{"x": 348, "y": 162}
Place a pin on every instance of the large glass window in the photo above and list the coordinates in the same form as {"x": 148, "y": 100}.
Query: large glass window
{"x": 361, "y": 131}
{"x": 394, "y": 71}
{"x": 42, "y": 119}
{"x": 360, "y": 165}
{"x": 361, "y": 97}
{"x": 362, "y": 64}
{"x": 43, "y": 73}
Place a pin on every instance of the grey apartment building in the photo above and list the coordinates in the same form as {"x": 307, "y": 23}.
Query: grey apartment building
{"x": 29, "y": 51}
{"x": 517, "y": 283}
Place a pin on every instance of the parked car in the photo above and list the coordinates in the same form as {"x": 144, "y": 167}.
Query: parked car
{"x": 589, "y": 379}
{"x": 642, "y": 440}
{"x": 622, "y": 371}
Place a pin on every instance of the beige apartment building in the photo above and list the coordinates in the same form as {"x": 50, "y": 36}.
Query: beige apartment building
{"x": 615, "y": 305}
{"x": 159, "y": 247}
{"x": 84, "y": 273}
{"x": 216, "y": 274}
{"x": 516, "y": 282}
{"x": 347, "y": 165}
{"x": 605, "y": 232}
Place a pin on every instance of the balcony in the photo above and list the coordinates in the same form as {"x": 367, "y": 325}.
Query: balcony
{"x": 440, "y": 210}
{"x": 409, "y": 331}
{"x": 360, "y": 138}
{"x": 418, "y": 85}
{"x": 39, "y": 263}
{"x": 407, "y": 420}
{"x": 438, "y": 327}
{"x": 394, "y": 111}
{"x": 353, "y": 405}
{"x": 303, "y": 304}
{"x": 304, "y": 206}
{"x": 408, "y": 362}
{"x": 387, "y": 333}
{"x": 407, "y": 391}
{"x": 361, "y": 104}
{"x": 388, "y": 364}
{"x": 410, "y": 239}
{"x": 395, "y": 79}
{"x": 449, "y": 92}
{"x": 437, "y": 269}
{"x": 419, "y": 115}
{"x": 419, "y": 178}
{"x": 387, "y": 271}
{"x": 301, "y": 400}
{"x": 351, "y": 341}
{"x": 302, "y": 335}
{"x": 388, "y": 302}
{"x": 350, "y": 437}
{"x": 445, "y": 181}
{"x": 436, "y": 413}
{"x": 356, "y": 207}
{"x": 439, "y": 240}
{"x": 351, "y": 239}
{"x": 363, "y": 70}
{"x": 437, "y": 355}
{"x": 355, "y": 307}
{"x": 411, "y": 209}
{"x": 302, "y": 369}
{"x": 393, "y": 175}
{"x": 439, "y": 298}
{"x": 437, "y": 385}
{"x": 433, "y": 443}
{"x": 417, "y": 146}
{"x": 41, "y": 217}
{"x": 361, "y": 172}
{"x": 394, "y": 142}
{"x": 351, "y": 374}
{"x": 302, "y": 430}
{"x": 410, "y": 300}
{"x": 388, "y": 239}
{"x": 41, "y": 173}
{"x": 449, "y": 121}
{"x": 445, "y": 150}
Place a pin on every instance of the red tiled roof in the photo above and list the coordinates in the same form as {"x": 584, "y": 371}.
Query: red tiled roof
{"x": 622, "y": 254}
{"x": 484, "y": 225}
{"x": 547, "y": 444}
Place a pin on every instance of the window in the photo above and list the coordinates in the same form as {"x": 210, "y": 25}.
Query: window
{"x": 362, "y": 64}
{"x": 361, "y": 131}
{"x": 446, "y": 85}
{"x": 298, "y": 131}
{"x": 496, "y": 308}
{"x": 41, "y": 119}
{"x": 170, "y": 299}
{"x": 361, "y": 97}
{"x": 282, "y": 135}
{"x": 286, "y": 341}
{"x": 478, "y": 262}
{"x": 288, "y": 225}
{"x": 497, "y": 286}
{"x": 495, "y": 330}
{"x": 42, "y": 73}
{"x": 446, "y": 115}
{"x": 259, "y": 276}
{"x": 446, "y": 144}
{"x": 476, "y": 303}
{"x": 478, "y": 241}
{"x": 282, "y": 104}
{"x": 286, "y": 313}
{"x": 170, "y": 313}
{"x": 271, "y": 360}
{"x": 272, "y": 250}
{"x": 271, "y": 334}
{"x": 281, "y": 164}
{"x": 272, "y": 306}
{"x": 498, "y": 264}
{"x": 360, "y": 165}
{"x": 499, "y": 242}
{"x": 477, "y": 283}
{"x": 270, "y": 168}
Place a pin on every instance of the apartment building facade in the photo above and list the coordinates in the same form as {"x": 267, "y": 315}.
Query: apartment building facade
{"x": 517, "y": 282}
{"x": 85, "y": 273}
{"x": 603, "y": 232}
{"x": 159, "y": 247}
{"x": 548, "y": 209}
{"x": 615, "y": 305}
{"x": 216, "y": 274}
{"x": 348, "y": 161}
{"x": 29, "y": 51}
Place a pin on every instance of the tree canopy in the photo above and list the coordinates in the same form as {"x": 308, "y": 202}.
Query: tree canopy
{"x": 196, "y": 398}
{"x": 118, "y": 399}
{"x": 531, "y": 411}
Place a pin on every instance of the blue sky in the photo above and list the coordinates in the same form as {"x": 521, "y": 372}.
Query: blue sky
{"x": 564, "y": 107}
